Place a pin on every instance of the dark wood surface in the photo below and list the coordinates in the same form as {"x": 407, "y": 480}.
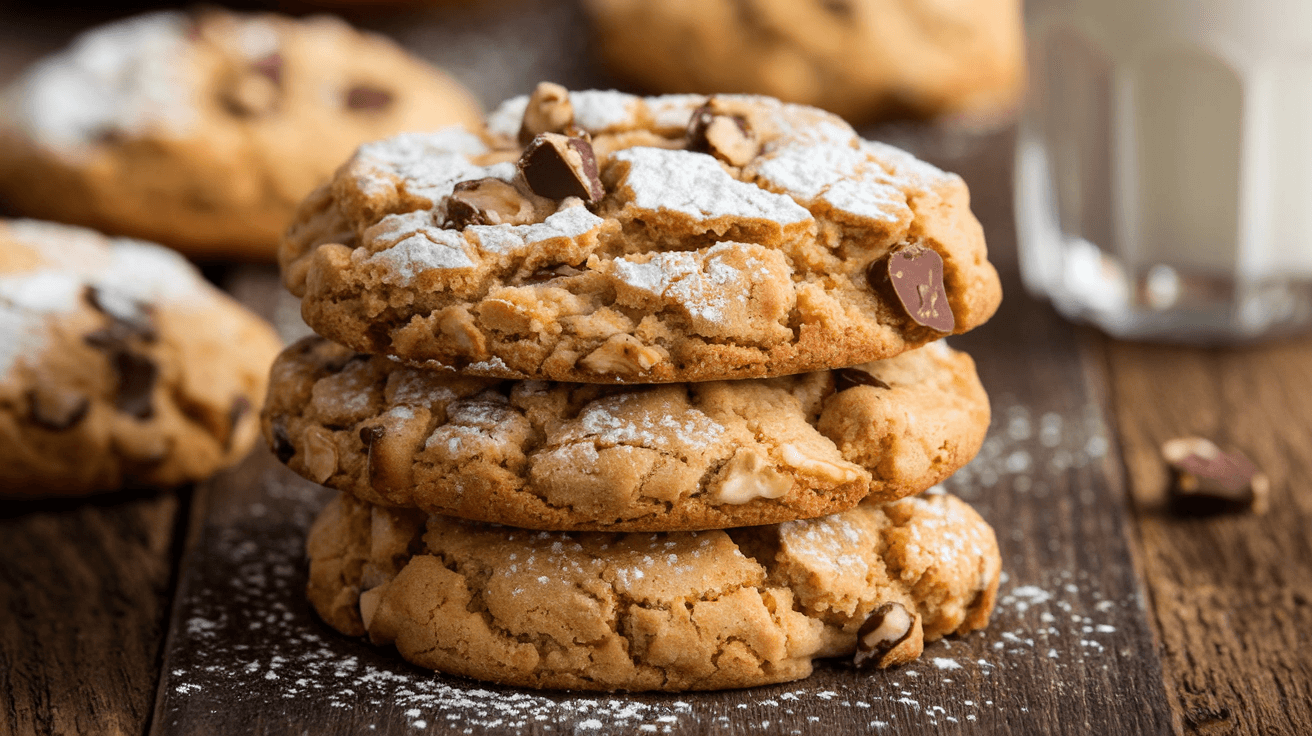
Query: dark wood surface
{"x": 1115, "y": 617}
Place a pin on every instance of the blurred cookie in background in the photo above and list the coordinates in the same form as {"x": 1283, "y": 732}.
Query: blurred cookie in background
{"x": 120, "y": 366}
{"x": 204, "y": 131}
{"x": 862, "y": 59}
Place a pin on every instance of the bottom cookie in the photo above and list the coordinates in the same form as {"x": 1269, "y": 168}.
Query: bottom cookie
{"x": 654, "y": 611}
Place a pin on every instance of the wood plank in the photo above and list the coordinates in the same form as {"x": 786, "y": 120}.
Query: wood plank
{"x": 1231, "y": 596}
{"x": 1069, "y": 650}
{"x": 85, "y": 587}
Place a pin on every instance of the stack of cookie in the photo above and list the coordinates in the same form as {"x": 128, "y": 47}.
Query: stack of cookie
{"x": 637, "y": 393}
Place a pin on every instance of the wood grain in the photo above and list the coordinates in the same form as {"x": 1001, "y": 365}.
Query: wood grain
{"x": 1231, "y": 596}
{"x": 85, "y": 590}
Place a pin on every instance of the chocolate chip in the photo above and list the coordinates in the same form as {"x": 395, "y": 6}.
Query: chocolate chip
{"x": 915, "y": 275}
{"x": 726, "y": 137}
{"x": 557, "y": 166}
{"x": 1206, "y": 480}
{"x": 492, "y": 202}
{"x": 365, "y": 97}
{"x": 128, "y": 318}
{"x": 270, "y": 66}
{"x": 888, "y": 626}
{"x": 371, "y": 434}
{"x": 548, "y": 111}
{"x": 136, "y": 372}
{"x": 281, "y": 443}
{"x": 852, "y": 377}
{"x": 55, "y": 409}
{"x": 241, "y": 406}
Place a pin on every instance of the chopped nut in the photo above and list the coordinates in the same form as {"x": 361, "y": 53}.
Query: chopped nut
{"x": 548, "y": 111}
{"x": 320, "y": 454}
{"x": 1207, "y": 480}
{"x": 369, "y": 601}
{"x": 749, "y": 474}
{"x": 727, "y": 137}
{"x": 622, "y": 355}
{"x": 880, "y": 638}
{"x": 493, "y": 202}
{"x": 796, "y": 458}
{"x": 557, "y": 166}
{"x": 55, "y": 408}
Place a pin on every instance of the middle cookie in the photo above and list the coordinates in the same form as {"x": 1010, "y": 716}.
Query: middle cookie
{"x": 566, "y": 456}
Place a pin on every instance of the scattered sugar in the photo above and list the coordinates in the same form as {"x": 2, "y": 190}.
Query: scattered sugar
{"x": 568, "y": 223}
{"x": 603, "y": 110}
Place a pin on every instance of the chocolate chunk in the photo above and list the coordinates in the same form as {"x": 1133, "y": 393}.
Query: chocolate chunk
{"x": 56, "y": 409}
{"x": 136, "y": 373}
{"x": 241, "y": 406}
{"x": 281, "y": 442}
{"x": 726, "y": 137}
{"x": 850, "y": 377}
{"x": 556, "y": 167}
{"x": 128, "y": 318}
{"x": 136, "y": 384}
{"x": 548, "y": 111}
{"x": 371, "y": 434}
{"x": 888, "y": 626}
{"x": 1206, "y": 480}
{"x": 365, "y": 97}
{"x": 492, "y": 202}
{"x": 915, "y": 275}
{"x": 270, "y": 66}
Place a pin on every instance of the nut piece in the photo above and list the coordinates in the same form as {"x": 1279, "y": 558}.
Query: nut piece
{"x": 493, "y": 202}
{"x": 915, "y": 275}
{"x": 796, "y": 458}
{"x": 56, "y": 409}
{"x": 879, "y": 641}
{"x": 621, "y": 355}
{"x": 548, "y": 111}
{"x": 1206, "y": 480}
{"x": 557, "y": 166}
{"x": 320, "y": 454}
{"x": 749, "y": 474}
{"x": 726, "y": 137}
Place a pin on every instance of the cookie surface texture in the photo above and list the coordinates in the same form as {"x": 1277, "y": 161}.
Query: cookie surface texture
{"x": 862, "y": 59}
{"x": 446, "y": 246}
{"x": 675, "y": 611}
{"x": 119, "y": 365}
{"x": 563, "y": 456}
{"x": 204, "y": 131}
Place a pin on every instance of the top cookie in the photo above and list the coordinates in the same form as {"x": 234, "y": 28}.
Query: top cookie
{"x": 204, "y": 131}
{"x": 654, "y": 240}
{"x": 862, "y": 59}
{"x": 119, "y": 365}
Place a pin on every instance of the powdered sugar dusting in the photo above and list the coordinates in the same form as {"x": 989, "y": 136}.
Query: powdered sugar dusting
{"x": 132, "y": 77}
{"x": 567, "y": 223}
{"x": 695, "y": 184}
{"x": 617, "y": 420}
{"x": 701, "y": 283}
{"x": 426, "y": 165}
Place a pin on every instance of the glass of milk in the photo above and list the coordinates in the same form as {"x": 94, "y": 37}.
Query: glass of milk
{"x": 1164, "y": 166}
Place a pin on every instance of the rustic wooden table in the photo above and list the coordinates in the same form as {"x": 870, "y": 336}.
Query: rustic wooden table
{"x": 181, "y": 611}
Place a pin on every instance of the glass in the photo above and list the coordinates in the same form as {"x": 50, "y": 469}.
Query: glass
{"x": 1164, "y": 166}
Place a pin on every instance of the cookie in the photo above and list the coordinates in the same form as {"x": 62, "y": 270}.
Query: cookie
{"x": 674, "y": 611}
{"x": 571, "y": 456}
{"x": 205, "y": 131}
{"x": 656, "y": 240}
{"x": 862, "y": 59}
{"x": 119, "y": 365}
